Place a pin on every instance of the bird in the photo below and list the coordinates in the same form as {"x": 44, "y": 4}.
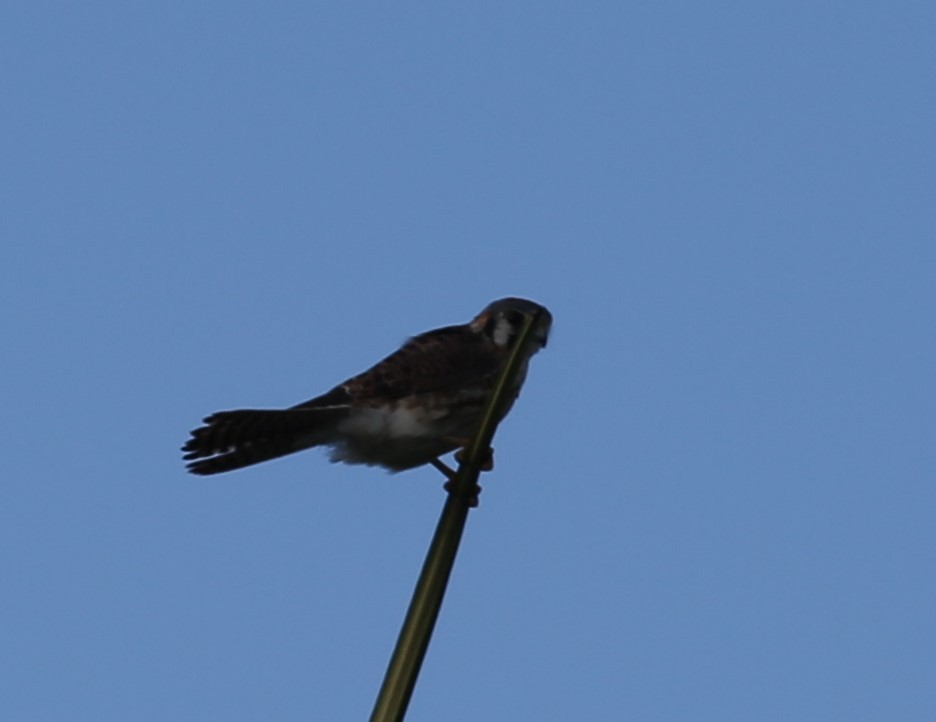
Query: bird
{"x": 417, "y": 404}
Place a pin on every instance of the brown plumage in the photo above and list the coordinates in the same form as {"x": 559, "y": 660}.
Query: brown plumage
{"x": 416, "y": 404}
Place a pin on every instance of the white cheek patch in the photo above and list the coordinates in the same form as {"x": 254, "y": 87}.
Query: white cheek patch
{"x": 502, "y": 332}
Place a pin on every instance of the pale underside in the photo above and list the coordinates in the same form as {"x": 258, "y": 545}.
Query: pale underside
{"x": 404, "y": 434}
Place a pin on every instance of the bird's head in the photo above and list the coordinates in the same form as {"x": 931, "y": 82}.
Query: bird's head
{"x": 503, "y": 320}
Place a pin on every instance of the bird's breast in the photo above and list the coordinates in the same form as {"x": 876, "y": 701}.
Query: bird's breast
{"x": 403, "y": 433}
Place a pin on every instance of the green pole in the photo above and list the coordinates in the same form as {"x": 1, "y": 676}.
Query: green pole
{"x": 411, "y": 646}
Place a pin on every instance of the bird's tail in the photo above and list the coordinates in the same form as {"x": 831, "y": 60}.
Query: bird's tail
{"x": 234, "y": 439}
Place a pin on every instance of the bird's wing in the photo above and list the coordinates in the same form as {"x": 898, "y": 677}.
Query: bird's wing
{"x": 437, "y": 360}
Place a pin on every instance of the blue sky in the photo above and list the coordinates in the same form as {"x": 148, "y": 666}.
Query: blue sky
{"x": 715, "y": 498}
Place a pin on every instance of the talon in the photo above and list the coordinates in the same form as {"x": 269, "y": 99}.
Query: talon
{"x": 471, "y": 499}
{"x": 486, "y": 465}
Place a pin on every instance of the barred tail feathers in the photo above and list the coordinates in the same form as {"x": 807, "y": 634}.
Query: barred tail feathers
{"x": 234, "y": 439}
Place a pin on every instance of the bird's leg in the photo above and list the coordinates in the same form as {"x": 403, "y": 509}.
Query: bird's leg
{"x": 447, "y": 471}
{"x": 463, "y": 442}
{"x": 450, "y": 473}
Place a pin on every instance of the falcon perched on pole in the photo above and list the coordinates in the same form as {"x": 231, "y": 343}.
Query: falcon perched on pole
{"x": 421, "y": 402}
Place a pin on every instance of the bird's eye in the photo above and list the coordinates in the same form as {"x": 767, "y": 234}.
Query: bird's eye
{"x": 515, "y": 318}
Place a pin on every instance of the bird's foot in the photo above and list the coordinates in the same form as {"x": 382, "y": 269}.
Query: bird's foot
{"x": 486, "y": 465}
{"x": 450, "y": 484}
{"x": 471, "y": 499}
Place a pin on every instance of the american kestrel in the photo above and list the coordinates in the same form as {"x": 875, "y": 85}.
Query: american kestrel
{"x": 419, "y": 403}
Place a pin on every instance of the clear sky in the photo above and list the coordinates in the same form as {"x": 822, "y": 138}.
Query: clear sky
{"x": 715, "y": 500}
